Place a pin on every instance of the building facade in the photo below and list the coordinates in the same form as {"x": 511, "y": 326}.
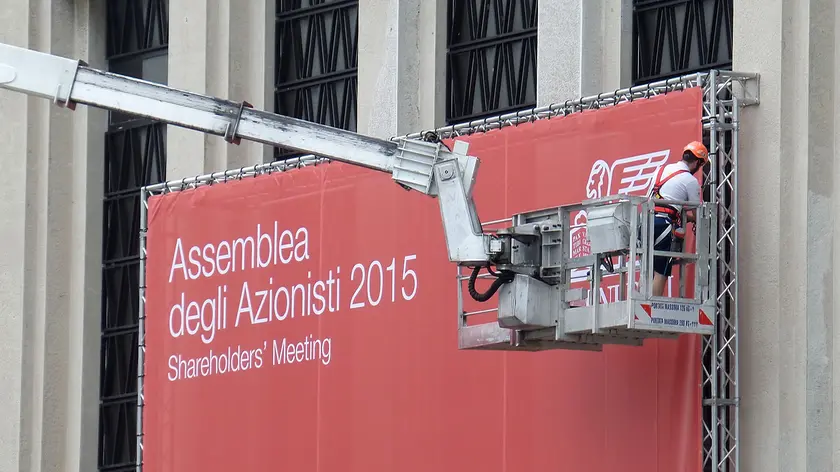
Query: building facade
{"x": 70, "y": 186}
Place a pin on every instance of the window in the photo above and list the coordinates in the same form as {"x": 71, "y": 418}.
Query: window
{"x": 491, "y": 66}
{"x": 316, "y": 62}
{"x": 678, "y": 37}
{"x": 137, "y": 38}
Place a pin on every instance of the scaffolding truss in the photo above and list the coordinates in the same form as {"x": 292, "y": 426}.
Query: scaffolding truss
{"x": 724, "y": 93}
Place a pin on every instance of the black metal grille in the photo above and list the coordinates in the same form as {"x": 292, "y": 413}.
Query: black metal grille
{"x": 316, "y": 63}
{"x": 676, "y": 37}
{"x": 491, "y": 65}
{"x": 134, "y": 156}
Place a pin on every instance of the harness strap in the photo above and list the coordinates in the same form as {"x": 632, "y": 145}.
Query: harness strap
{"x": 665, "y": 233}
{"x": 660, "y": 182}
{"x": 666, "y": 209}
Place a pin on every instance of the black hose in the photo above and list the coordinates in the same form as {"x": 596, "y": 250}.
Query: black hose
{"x": 433, "y": 137}
{"x": 504, "y": 278}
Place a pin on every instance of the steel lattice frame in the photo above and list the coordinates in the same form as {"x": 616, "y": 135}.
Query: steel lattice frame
{"x": 723, "y": 94}
{"x": 316, "y": 63}
{"x": 491, "y": 58}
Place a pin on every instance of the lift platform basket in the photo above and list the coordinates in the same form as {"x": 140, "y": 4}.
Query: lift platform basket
{"x": 583, "y": 299}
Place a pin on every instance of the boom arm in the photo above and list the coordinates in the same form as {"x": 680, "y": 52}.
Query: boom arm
{"x": 538, "y": 308}
{"x": 426, "y": 167}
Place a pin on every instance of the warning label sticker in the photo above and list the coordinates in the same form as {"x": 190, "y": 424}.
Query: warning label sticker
{"x": 679, "y": 315}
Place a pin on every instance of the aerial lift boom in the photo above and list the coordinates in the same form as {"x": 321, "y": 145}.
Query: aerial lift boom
{"x": 426, "y": 167}
{"x": 533, "y": 268}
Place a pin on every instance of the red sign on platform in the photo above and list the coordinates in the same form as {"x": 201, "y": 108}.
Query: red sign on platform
{"x": 306, "y": 321}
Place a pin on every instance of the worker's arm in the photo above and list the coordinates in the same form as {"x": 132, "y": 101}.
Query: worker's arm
{"x": 689, "y": 216}
{"x": 694, "y": 196}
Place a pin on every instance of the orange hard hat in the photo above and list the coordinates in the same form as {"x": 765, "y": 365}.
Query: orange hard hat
{"x": 698, "y": 150}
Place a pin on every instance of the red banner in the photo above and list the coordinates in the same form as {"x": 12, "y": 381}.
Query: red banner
{"x": 306, "y": 321}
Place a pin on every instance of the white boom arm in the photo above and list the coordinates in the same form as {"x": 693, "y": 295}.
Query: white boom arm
{"x": 427, "y": 167}
{"x": 533, "y": 268}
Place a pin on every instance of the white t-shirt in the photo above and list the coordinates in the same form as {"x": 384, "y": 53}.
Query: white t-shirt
{"x": 682, "y": 187}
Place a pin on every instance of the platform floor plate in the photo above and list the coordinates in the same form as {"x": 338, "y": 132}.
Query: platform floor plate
{"x": 490, "y": 336}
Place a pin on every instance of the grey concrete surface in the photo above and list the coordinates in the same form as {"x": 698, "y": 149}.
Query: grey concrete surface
{"x": 400, "y": 74}
{"x": 51, "y": 206}
{"x": 582, "y": 48}
{"x": 219, "y": 48}
{"x": 788, "y": 176}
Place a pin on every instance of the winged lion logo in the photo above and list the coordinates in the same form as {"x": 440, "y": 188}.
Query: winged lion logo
{"x": 636, "y": 174}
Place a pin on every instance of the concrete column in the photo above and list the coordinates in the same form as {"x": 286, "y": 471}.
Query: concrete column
{"x": 51, "y": 210}
{"x": 617, "y": 53}
{"x": 789, "y": 179}
{"x": 559, "y": 49}
{"x": 223, "y": 49}
{"x": 402, "y": 49}
{"x": 582, "y": 48}
{"x": 432, "y": 67}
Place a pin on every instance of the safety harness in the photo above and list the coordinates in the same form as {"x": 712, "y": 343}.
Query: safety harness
{"x": 667, "y": 210}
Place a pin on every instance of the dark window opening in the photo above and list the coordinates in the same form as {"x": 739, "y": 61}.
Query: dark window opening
{"x": 135, "y": 155}
{"x": 678, "y": 37}
{"x": 491, "y": 66}
{"x": 316, "y": 76}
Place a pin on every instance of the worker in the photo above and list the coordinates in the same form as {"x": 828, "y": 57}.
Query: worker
{"x": 676, "y": 182}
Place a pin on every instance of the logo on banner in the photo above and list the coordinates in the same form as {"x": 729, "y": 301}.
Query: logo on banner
{"x": 626, "y": 176}
{"x": 636, "y": 175}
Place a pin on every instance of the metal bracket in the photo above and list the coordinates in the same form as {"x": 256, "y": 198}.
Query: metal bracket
{"x": 465, "y": 241}
{"x": 233, "y": 127}
{"x": 414, "y": 163}
{"x": 63, "y": 100}
{"x": 745, "y": 86}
